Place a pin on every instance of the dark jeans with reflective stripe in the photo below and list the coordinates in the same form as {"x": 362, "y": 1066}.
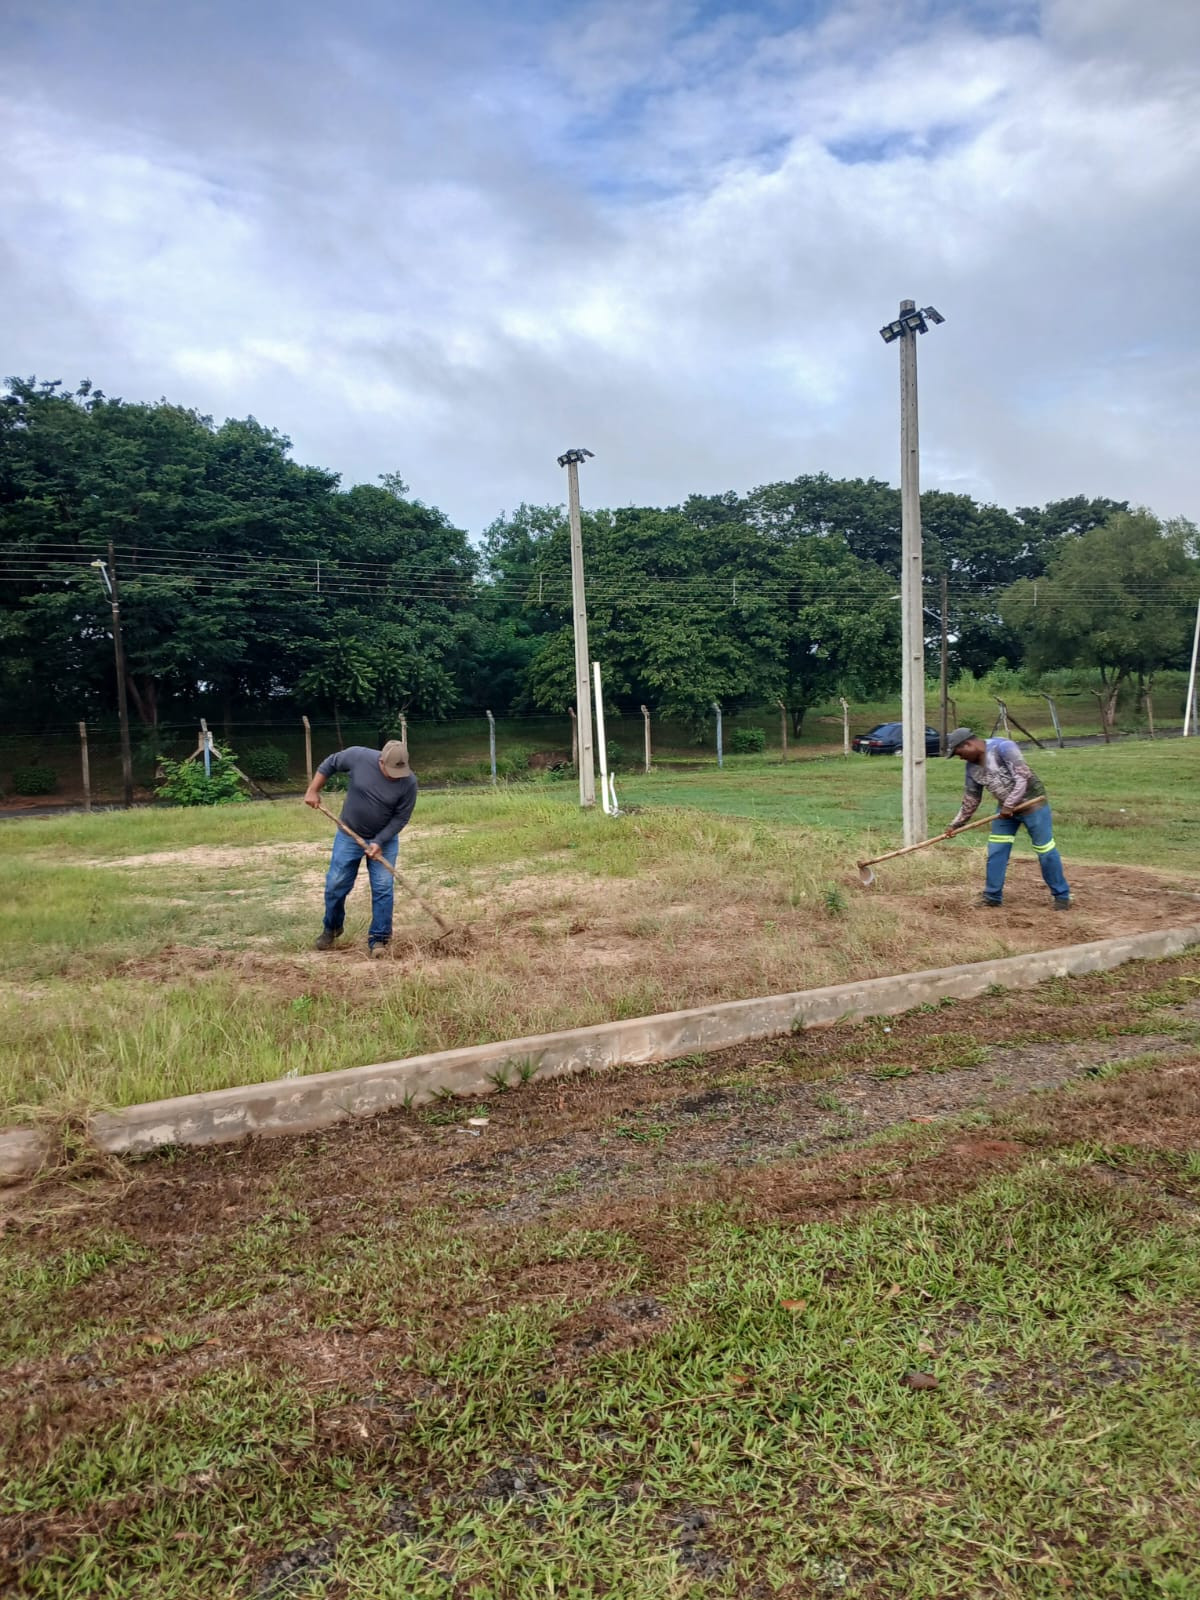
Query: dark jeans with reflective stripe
{"x": 1040, "y": 826}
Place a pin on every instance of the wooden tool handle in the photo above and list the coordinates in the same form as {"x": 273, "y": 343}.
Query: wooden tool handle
{"x": 445, "y": 926}
{"x": 981, "y": 822}
{"x": 358, "y": 839}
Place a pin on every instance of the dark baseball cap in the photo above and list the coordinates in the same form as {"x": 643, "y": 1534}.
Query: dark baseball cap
{"x": 956, "y": 737}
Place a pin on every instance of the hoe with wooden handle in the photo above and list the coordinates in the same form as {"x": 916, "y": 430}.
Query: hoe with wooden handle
{"x": 867, "y": 877}
{"x": 445, "y": 926}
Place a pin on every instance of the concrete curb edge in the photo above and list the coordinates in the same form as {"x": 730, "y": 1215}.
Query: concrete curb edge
{"x": 300, "y": 1105}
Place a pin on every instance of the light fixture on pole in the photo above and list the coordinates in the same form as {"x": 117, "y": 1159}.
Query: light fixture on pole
{"x": 109, "y": 574}
{"x": 905, "y": 328}
{"x": 583, "y": 689}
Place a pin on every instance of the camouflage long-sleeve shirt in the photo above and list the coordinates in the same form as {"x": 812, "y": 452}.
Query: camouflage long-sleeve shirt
{"x": 1004, "y": 773}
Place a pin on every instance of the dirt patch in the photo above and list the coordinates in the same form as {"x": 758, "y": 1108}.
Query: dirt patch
{"x": 613, "y": 1325}
{"x": 573, "y": 934}
{"x": 216, "y": 857}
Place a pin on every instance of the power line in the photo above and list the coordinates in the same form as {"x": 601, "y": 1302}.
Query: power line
{"x": 278, "y": 576}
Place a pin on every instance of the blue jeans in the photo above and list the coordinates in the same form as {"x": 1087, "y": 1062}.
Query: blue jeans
{"x": 1040, "y": 826}
{"x": 339, "y": 880}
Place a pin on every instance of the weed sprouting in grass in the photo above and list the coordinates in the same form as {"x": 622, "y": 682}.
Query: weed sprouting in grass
{"x": 834, "y": 900}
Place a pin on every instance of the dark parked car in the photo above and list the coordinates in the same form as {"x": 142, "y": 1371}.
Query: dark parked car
{"x": 888, "y": 740}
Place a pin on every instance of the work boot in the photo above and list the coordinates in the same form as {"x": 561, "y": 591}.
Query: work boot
{"x": 327, "y": 938}
{"x": 985, "y": 900}
{"x": 378, "y": 951}
{"x": 1062, "y": 902}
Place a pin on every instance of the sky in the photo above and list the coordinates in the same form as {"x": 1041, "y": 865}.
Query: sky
{"x": 454, "y": 240}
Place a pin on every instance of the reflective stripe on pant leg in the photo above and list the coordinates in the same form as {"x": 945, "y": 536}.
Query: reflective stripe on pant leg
{"x": 1040, "y": 825}
{"x": 1000, "y": 841}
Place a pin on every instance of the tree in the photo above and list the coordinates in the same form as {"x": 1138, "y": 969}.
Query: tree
{"x": 243, "y": 573}
{"x": 1118, "y": 599}
{"x": 684, "y": 610}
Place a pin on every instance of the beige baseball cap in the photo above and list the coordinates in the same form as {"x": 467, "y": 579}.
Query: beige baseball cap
{"x": 393, "y": 758}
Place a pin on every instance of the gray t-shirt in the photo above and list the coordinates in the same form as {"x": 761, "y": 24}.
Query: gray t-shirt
{"x": 376, "y": 806}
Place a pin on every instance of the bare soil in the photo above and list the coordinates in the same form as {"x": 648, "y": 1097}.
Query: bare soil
{"x": 574, "y": 933}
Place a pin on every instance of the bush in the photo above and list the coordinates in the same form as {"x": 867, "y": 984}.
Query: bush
{"x": 337, "y": 783}
{"x": 187, "y": 784}
{"x": 35, "y": 780}
{"x": 615, "y": 753}
{"x": 748, "y": 741}
{"x": 267, "y": 763}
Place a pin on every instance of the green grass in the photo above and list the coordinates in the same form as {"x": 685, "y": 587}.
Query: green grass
{"x": 743, "y": 1441}
{"x": 305, "y": 1370}
{"x": 1136, "y": 804}
{"x": 121, "y": 982}
{"x": 456, "y": 752}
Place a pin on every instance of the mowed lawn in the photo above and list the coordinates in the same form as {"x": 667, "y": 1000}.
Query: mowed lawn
{"x": 161, "y": 952}
{"x": 597, "y": 1350}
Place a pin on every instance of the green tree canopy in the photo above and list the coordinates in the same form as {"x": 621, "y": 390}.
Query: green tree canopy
{"x": 1119, "y": 598}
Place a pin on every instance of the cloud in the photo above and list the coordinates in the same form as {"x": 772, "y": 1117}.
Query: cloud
{"x": 455, "y": 244}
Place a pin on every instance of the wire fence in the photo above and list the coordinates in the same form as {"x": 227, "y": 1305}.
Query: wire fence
{"x": 73, "y": 763}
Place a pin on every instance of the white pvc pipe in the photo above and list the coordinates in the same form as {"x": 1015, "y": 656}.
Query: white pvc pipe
{"x": 1191, "y": 690}
{"x": 601, "y": 741}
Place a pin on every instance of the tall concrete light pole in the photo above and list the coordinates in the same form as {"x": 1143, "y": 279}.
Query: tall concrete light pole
{"x": 583, "y": 688}
{"x": 109, "y": 574}
{"x": 907, "y": 326}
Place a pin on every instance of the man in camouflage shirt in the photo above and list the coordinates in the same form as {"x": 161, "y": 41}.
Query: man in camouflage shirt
{"x": 998, "y": 766}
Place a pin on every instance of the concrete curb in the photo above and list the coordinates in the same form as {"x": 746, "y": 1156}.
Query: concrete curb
{"x": 299, "y": 1105}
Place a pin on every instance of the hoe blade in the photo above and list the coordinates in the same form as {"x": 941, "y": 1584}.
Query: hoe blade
{"x": 865, "y": 875}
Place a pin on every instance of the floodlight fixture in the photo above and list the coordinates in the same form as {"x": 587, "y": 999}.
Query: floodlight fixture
{"x": 910, "y": 322}
{"x": 103, "y": 569}
{"x": 574, "y": 456}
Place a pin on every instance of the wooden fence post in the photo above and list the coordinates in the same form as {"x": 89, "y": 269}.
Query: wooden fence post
{"x": 307, "y": 747}
{"x": 403, "y": 728}
{"x": 845, "y": 726}
{"x": 574, "y": 738}
{"x": 782, "y": 729}
{"x": 646, "y": 734}
{"x": 87, "y": 776}
{"x": 720, "y": 743}
{"x": 492, "y": 742}
{"x": 1007, "y": 717}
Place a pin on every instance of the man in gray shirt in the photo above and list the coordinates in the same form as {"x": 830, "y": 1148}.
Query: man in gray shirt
{"x": 382, "y": 794}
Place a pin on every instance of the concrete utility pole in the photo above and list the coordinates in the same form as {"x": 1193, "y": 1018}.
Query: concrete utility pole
{"x": 944, "y": 681}
{"x": 109, "y": 574}
{"x": 583, "y": 688}
{"x": 907, "y": 326}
